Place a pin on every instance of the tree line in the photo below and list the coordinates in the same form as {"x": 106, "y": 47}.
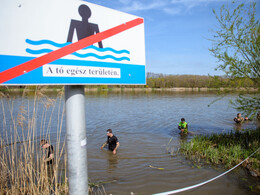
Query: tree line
{"x": 155, "y": 80}
{"x": 192, "y": 81}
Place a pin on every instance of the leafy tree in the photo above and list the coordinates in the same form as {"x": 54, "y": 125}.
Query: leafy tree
{"x": 236, "y": 45}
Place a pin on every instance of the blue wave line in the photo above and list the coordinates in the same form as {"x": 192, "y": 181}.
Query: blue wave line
{"x": 107, "y": 49}
{"x": 100, "y": 57}
{"x": 41, "y": 42}
{"x": 41, "y": 51}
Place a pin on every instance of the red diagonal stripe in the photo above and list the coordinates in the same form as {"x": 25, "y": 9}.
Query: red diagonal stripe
{"x": 57, "y": 54}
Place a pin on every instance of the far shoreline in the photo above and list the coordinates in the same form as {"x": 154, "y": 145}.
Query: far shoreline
{"x": 110, "y": 88}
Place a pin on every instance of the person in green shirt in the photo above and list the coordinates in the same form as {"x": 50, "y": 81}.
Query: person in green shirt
{"x": 183, "y": 126}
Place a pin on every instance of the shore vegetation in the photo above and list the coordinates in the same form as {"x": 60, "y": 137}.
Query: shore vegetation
{"x": 156, "y": 81}
{"x": 226, "y": 149}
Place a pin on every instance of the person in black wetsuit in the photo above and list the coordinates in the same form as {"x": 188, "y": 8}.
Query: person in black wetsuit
{"x": 49, "y": 152}
{"x": 112, "y": 142}
{"x": 48, "y": 159}
{"x": 238, "y": 118}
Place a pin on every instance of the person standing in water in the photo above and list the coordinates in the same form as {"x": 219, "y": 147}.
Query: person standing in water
{"x": 238, "y": 118}
{"x": 48, "y": 161}
{"x": 258, "y": 116}
{"x": 112, "y": 142}
{"x": 183, "y": 126}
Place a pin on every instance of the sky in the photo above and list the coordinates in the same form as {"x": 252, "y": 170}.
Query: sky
{"x": 177, "y": 32}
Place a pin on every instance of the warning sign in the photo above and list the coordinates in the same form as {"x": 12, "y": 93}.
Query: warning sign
{"x": 69, "y": 42}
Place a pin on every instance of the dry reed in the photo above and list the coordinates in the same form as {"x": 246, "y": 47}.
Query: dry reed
{"x": 21, "y": 162}
{"x": 24, "y": 122}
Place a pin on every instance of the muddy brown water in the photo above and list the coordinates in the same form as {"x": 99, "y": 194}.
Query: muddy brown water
{"x": 144, "y": 125}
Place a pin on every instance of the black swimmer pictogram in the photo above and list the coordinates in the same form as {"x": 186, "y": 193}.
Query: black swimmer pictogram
{"x": 83, "y": 28}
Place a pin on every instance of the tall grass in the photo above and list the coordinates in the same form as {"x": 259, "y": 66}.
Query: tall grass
{"x": 24, "y": 121}
{"x": 21, "y": 159}
{"x": 227, "y": 149}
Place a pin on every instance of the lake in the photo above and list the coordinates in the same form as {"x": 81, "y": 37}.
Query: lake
{"x": 146, "y": 126}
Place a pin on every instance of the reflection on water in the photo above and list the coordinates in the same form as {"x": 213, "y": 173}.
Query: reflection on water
{"x": 144, "y": 123}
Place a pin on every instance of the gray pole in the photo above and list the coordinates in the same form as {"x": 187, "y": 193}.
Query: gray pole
{"x": 76, "y": 140}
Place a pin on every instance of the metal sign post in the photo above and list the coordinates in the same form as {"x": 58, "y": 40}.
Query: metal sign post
{"x": 76, "y": 140}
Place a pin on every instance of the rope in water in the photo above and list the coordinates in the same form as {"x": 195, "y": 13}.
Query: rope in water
{"x": 205, "y": 182}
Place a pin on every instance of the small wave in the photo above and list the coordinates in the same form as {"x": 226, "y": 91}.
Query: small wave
{"x": 100, "y": 57}
{"x": 41, "y": 42}
{"x": 107, "y": 49}
{"x": 41, "y": 51}
{"x": 59, "y": 45}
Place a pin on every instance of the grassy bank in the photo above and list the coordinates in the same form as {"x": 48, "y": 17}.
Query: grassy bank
{"x": 227, "y": 149}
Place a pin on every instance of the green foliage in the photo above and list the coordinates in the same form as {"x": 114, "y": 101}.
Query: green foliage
{"x": 236, "y": 45}
{"x": 237, "y": 42}
{"x": 193, "y": 81}
{"x": 228, "y": 149}
{"x": 248, "y": 104}
{"x": 103, "y": 87}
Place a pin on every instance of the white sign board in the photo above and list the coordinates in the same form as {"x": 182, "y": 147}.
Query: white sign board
{"x": 69, "y": 42}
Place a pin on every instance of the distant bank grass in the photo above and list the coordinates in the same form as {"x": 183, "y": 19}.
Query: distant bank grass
{"x": 227, "y": 149}
{"x": 23, "y": 124}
